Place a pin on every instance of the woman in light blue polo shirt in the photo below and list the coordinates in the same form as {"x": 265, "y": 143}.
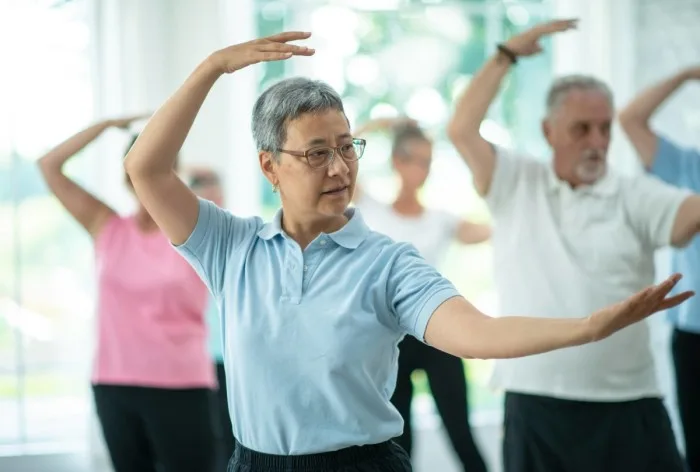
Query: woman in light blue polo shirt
{"x": 313, "y": 303}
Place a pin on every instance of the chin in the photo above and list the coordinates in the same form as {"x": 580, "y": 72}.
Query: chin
{"x": 335, "y": 209}
{"x": 590, "y": 176}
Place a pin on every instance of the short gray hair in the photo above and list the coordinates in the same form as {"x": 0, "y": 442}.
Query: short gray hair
{"x": 562, "y": 86}
{"x": 285, "y": 101}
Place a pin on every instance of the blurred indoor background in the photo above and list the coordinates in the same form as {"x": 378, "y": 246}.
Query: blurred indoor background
{"x": 66, "y": 63}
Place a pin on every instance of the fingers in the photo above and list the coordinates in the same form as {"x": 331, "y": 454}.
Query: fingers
{"x": 559, "y": 25}
{"x": 289, "y": 36}
{"x": 656, "y": 300}
{"x": 275, "y": 56}
{"x": 675, "y": 300}
{"x": 663, "y": 289}
{"x": 283, "y": 47}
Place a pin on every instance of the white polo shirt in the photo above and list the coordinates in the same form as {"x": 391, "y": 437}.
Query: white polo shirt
{"x": 561, "y": 253}
{"x": 431, "y": 232}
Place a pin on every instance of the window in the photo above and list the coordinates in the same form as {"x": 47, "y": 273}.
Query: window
{"x": 414, "y": 58}
{"x": 46, "y": 291}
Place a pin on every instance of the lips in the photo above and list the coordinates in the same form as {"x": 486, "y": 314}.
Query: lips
{"x": 336, "y": 190}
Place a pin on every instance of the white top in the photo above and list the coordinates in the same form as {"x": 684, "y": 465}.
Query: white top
{"x": 563, "y": 253}
{"x": 430, "y": 233}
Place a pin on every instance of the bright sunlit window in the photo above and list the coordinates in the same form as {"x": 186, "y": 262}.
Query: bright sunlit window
{"x": 46, "y": 291}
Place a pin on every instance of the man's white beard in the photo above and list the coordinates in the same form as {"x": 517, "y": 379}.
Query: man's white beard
{"x": 592, "y": 166}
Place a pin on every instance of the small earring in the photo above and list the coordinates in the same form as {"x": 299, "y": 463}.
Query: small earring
{"x": 275, "y": 188}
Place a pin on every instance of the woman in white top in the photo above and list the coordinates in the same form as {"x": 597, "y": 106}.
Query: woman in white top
{"x": 431, "y": 231}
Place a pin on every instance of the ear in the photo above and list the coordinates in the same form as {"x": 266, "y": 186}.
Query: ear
{"x": 394, "y": 162}
{"x": 547, "y": 130}
{"x": 268, "y": 165}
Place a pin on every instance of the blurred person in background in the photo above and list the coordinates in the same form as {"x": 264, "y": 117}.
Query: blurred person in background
{"x": 571, "y": 236}
{"x": 206, "y": 183}
{"x": 431, "y": 232}
{"x": 314, "y": 303}
{"x": 680, "y": 166}
{"x": 152, "y": 377}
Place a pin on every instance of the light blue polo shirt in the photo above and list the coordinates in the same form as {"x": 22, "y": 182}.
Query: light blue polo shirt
{"x": 681, "y": 167}
{"x": 215, "y": 343}
{"x": 311, "y": 337}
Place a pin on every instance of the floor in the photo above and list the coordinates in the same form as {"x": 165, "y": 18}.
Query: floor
{"x": 432, "y": 454}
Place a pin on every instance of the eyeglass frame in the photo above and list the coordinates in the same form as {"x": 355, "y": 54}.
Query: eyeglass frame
{"x": 336, "y": 150}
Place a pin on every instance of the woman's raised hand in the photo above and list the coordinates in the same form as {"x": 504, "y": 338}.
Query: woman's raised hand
{"x": 272, "y": 48}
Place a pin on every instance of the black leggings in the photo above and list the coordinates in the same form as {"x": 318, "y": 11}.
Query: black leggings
{"x": 449, "y": 388}
{"x": 222, "y": 421}
{"x": 149, "y": 429}
{"x": 686, "y": 357}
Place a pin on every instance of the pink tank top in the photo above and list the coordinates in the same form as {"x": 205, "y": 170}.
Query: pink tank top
{"x": 150, "y": 311}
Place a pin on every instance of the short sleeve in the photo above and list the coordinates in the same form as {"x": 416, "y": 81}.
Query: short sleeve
{"x": 415, "y": 290}
{"x": 652, "y": 206}
{"x": 509, "y": 175}
{"x": 215, "y": 236}
{"x": 676, "y": 165}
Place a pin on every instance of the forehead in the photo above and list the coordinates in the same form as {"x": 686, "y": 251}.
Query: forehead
{"x": 321, "y": 128}
{"x": 585, "y": 105}
{"x": 417, "y": 147}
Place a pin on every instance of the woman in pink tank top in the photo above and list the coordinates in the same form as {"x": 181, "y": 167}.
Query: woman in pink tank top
{"x": 152, "y": 375}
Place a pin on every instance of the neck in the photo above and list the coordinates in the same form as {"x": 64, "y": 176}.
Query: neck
{"x": 144, "y": 221}
{"x": 407, "y": 202}
{"x": 305, "y": 231}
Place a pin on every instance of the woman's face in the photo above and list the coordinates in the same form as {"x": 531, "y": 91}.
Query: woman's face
{"x": 313, "y": 194}
{"x": 412, "y": 162}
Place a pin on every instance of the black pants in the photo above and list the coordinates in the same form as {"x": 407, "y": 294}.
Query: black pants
{"x": 544, "y": 434}
{"x": 149, "y": 429}
{"x": 384, "y": 457}
{"x": 449, "y": 388}
{"x": 222, "y": 421}
{"x": 686, "y": 359}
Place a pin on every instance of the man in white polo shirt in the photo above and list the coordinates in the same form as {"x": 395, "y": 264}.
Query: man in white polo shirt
{"x": 571, "y": 237}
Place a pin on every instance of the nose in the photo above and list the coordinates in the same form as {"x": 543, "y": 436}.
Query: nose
{"x": 599, "y": 139}
{"x": 338, "y": 166}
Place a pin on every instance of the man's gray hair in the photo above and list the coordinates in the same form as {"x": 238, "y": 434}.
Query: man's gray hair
{"x": 562, "y": 86}
{"x": 285, "y": 101}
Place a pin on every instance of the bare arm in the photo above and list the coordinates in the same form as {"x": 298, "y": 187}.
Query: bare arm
{"x": 473, "y": 233}
{"x": 634, "y": 118}
{"x": 471, "y": 109}
{"x": 88, "y": 210}
{"x": 687, "y": 223}
{"x": 458, "y": 328}
{"x": 150, "y": 163}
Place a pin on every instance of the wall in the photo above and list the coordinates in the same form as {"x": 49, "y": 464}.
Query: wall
{"x": 668, "y": 41}
{"x": 146, "y": 50}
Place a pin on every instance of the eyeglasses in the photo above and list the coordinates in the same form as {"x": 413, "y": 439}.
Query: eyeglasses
{"x": 320, "y": 157}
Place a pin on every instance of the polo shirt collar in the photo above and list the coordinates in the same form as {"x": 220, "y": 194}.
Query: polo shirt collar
{"x": 349, "y": 236}
{"x": 604, "y": 187}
